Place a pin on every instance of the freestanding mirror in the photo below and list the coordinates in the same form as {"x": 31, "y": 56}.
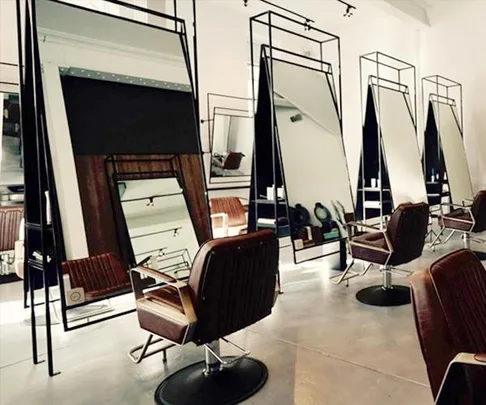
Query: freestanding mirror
{"x": 444, "y": 157}
{"x": 118, "y": 95}
{"x": 301, "y": 185}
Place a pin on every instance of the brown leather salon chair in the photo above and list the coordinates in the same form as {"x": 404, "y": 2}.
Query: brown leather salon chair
{"x": 468, "y": 219}
{"x": 99, "y": 276}
{"x": 401, "y": 242}
{"x": 449, "y": 301}
{"x": 10, "y": 220}
{"x": 232, "y": 285}
{"x": 228, "y": 216}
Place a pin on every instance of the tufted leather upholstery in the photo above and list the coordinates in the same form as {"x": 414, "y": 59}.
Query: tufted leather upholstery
{"x": 98, "y": 275}
{"x": 406, "y": 233}
{"x": 10, "y": 218}
{"x": 478, "y": 211}
{"x": 449, "y": 300}
{"x": 237, "y": 221}
{"x": 231, "y": 286}
{"x": 233, "y": 161}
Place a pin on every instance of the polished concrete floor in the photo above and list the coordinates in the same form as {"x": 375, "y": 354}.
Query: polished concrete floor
{"x": 320, "y": 344}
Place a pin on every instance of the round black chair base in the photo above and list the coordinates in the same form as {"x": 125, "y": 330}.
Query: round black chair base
{"x": 232, "y": 385}
{"x": 381, "y": 297}
{"x": 480, "y": 255}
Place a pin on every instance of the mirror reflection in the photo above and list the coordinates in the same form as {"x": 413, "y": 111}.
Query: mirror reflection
{"x": 11, "y": 189}
{"x": 457, "y": 174}
{"x": 232, "y": 145}
{"x": 115, "y": 87}
{"x": 159, "y": 225}
{"x": 316, "y": 180}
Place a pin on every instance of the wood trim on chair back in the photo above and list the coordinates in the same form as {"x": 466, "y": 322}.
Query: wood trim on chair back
{"x": 407, "y": 230}
{"x": 10, "y": 218}
{"x": 478, "y": 210}
{"x": 449, "y": 301}
{"x": 231, "y": 206}
{"x": 232, "y": 283}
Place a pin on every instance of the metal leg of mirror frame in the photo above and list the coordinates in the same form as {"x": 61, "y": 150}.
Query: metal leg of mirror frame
{"x": 143, "y": 355}
{"x": 449, "y": 237}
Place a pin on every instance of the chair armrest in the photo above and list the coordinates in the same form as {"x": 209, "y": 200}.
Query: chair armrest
{"x": 374, "y": 229}
{"x": 182, "y": 288}
{"x": 457, "y": 206}
{"x": 362, "y": 225}
{"x": 224, "y": 216}
{"x": 463, "y": 360}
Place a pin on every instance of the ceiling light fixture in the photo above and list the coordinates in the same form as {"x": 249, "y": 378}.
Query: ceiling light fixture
{"x": 151, "y": 202}
{"x": 349, "y": 9}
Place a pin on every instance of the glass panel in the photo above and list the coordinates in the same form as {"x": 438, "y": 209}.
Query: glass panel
{"x": 232, "y": 146}
{"x": 317, "y": 186}
{"x": 159, "y": 225}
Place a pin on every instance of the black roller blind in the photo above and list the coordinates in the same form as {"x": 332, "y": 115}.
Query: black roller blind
{"x": 116, "y": 118}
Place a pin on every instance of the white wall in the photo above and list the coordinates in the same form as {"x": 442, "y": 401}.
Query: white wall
{"x": 454, "y": 47}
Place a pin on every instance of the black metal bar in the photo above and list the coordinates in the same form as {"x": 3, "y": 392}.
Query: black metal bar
{"x": 410, "y": 66}
{"x": 106, "y": 318}
{"x": 152, "y": 197}
{"x": 308, "y": 20}
{"x": 381, "y": 63}
{"x": 300, "y": 56}
{"x": 10, "y": 83}
{"x": 290, "y": 32}
{"x": 41, "y": 145}
{"x": 387, "y": 80}
{"x": 227, "y": 188}
{"x": 9, "y": 63}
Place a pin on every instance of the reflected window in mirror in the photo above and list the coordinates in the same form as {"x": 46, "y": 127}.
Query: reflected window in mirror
{"x": 159, "y": 225}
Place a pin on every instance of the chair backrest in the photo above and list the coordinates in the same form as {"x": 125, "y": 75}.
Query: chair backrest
{"x": 407, "y": 230}
{"x": 231, "y": 206}
{"x": 449, "y": 302}
{"x": 10, "y": 219}
{"x": 233, "y": 161}
{"x": 478, "y": 210}
{"x": 232, "y": 283}
{"x": 96, "y": 273}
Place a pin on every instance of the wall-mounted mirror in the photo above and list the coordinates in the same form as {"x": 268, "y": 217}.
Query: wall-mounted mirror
{"x": 231, "y": 145}
{"x": 115, "y": 87}
{"x": 159, "y": 225}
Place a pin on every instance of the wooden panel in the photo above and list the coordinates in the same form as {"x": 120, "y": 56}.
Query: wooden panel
{"x": 100, "y": 215}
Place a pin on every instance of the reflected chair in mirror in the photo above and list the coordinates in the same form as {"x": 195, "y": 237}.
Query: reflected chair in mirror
{"x": 399, "y": 243}
{"x": 98, "y": 276}
{"x": 228, "y": 217}
{"x": 232, "y": 285}
{"x": 10, "y": 224}
{"x": 468, "y": 219}
{"x": 450, "y": 315}
{"x": 228, "y": 165}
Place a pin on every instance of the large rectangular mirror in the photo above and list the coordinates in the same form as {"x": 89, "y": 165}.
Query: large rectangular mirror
{"x": 116, "y": 88}
{"x": 314, "y": 167}
{"x": 231, "y": 146}
{"x": 159, "y": 225}
{"x": 453, "y": 152}
{"x": 400, "y": 144}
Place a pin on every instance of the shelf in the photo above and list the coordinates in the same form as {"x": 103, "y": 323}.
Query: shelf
{"x": 374, "y": 190}
{"x": 272, "y": 202}
{"x": 327, "y": 242}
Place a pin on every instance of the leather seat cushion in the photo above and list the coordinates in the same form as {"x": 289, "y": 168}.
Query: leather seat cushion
{"x": 167, "y": 295}
{"x": 373, "y": 240}
{"x": 108, "y": 291}
{"x": 449, "y": 223}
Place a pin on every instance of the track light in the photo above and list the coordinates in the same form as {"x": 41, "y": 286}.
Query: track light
{"x": 349, "y": 9}
{"x": 151, "y": 202}
{"x": 176, "y": 232}
{"x": 245, "y": 2}
{"x": 307, "y": 25}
